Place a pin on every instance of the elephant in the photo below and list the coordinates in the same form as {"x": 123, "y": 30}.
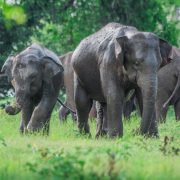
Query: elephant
{"x": 111, "y": 62}
{"x": 68, "y": 83}
{"x": 169, "y": 87}
{"x": 36, "y": 74}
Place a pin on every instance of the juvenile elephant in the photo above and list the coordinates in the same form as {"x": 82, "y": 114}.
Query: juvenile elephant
{"x": 36, "y": 74}
{"x": 169, "y": 87}
{"x": 108, "y": 64}
{"x": 68, "y": 83}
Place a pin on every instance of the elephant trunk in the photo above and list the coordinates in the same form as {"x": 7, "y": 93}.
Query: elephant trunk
{"x": 21, "y": 96}
{"x": 20, "y": 99}
{"x": 148, "y": 86}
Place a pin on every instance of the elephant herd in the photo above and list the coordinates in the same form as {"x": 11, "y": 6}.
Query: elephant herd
{"x": 110, "y": 73}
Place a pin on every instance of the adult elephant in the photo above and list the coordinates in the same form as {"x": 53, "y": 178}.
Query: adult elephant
{"x": 36, "y": 74}
{"x": 107, "y": 65}
{"x": 68, "y": 83}
{"x": 169, "y": 87}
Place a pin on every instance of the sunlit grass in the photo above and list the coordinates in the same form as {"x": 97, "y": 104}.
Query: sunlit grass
{"x": 133, "y": 157}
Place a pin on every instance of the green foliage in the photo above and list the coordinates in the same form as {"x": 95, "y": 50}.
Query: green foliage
{"x": 146, "y": 15}
{"x": 57, "y": 165}
{"x": 15, "y": 13}
{"x": 61, "y": 25}
{"x": 64, "y": 31}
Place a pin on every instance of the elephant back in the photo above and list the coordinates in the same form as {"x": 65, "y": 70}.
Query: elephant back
{"x": 40, "y": 53}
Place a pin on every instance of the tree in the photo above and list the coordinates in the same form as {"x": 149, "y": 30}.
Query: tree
{"x": 61, "y": 24}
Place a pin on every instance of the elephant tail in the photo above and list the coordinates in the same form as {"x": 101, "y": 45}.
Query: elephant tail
{"x": 173, "y": 93}
{"x": 60, "y": 102}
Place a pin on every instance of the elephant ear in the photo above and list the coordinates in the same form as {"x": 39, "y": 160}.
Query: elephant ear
{"x": 7, "y": 67}
{"x": 120, "y": 48}
{"x": 51, "y": 64}
{"x": 165, "y": 50}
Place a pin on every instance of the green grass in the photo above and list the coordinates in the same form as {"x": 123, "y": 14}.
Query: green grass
{"x": 65, "y": 154}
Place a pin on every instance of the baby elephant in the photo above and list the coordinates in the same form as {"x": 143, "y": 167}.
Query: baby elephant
{"x": 36, "y": 74}
{"x": 169, "y": 87}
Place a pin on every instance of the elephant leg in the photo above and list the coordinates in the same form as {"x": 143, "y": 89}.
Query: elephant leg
{"x": 101, "y": 119}
{"x": 100, "y": 116}
{"x": 153, "y": 128}
{"x": 83, "y": 106}
{"x": 162, "y": 115}
{"x": 160, "y": 111}
{"x": 74, "y": 117}
{"x": 63, "y": 113}
{"x": 128, "y": 109}
{"x": 114, "y": 114}
{"x": 104, "y": 126}
{"x": 21, "y": 128}
{"x": 177, "y": 110}
{"x": 115, "y": 98}
{"x": 27, "y": 110}
{"x": 40, "y": 118}
{"x": 41, "y": 115}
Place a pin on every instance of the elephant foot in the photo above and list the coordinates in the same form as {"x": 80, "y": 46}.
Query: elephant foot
{"x": 149, "y": 134}
{"x": 115, "y": 134}
{"x": 21, "y": 131}
{"x": 101, "y": 133}
{"x": 153, "y": 134}
{"x": 84, "y": 128}
{"x": 34, "y": 128}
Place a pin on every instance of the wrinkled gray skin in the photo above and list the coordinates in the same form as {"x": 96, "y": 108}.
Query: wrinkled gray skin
{"x": 36, "y": 74}
{"x": 68, "y": 79}
{"x": 169, "y": 87}
{"x": 108, "y": 64}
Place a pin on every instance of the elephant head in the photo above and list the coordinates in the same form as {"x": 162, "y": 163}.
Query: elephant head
{"x": 165, "y": 50}
{"x": 30, "y": 69}
{"x": 141, "y": 54}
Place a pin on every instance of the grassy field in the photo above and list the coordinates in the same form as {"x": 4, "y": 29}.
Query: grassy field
{"x": 66, "y": 154}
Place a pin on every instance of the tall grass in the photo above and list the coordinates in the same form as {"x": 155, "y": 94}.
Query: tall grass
{"x": 65, "y": 154}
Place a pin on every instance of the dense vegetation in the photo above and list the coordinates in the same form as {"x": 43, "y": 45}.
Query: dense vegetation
{"x": 60, "y": 25}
